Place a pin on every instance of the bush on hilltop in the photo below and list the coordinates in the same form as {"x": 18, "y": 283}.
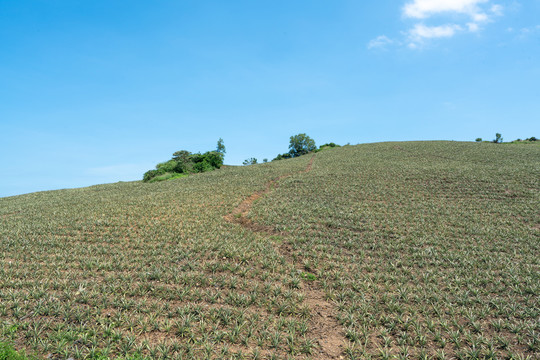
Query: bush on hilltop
{"x": 184, "y": 163}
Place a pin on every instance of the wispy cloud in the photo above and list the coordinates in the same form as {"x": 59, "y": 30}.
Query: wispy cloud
{"x": 380, "y": 42}
{"x": 525, "y": 32}
{"x": 442, "y": 19}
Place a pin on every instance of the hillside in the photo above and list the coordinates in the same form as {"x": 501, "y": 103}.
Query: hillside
{"x": 393, "y": 249}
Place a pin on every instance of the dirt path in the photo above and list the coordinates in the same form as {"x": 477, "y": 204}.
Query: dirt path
{"x": 324, "y": 325}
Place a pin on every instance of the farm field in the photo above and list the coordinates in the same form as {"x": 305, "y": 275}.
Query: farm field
{"x": 399, "y": 250}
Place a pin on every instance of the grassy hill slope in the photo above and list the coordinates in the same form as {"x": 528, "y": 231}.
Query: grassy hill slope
{"x": 426, "y": 248}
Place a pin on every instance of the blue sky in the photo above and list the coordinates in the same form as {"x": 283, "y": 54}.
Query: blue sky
{"x": 100, "y": 91}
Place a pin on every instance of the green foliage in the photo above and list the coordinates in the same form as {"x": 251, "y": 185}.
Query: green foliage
{"x": 150, "y": 174}
{"x": 168, "y": 166}
{"x": 498, "y": 139}
{"x": 532, "y": 141}
{"x": 425, "y": 282}
{"x": 221, "y": 147}
{"x": 184, "y": 162}
{"x": 327, "y": 146}
{"x": 250, "y": 161}
{"x": 8, "y": 353}
{"x": 301, "y": 144}
{"x": 308, "y": 276}
{"x": 208, "y": 161}
{"x": 420, "y": 250}
{"x": 213, "y": 158}
{"x": 144, "y": 260}
{"x": 283, "y": 156}
{"x": 202, "y": 166}
{"x": 166, "y": 176}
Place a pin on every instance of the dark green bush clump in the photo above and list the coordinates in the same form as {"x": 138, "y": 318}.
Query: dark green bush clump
{"x": 184, "y": 162}
{"x": 283, "y": 156}
{"x": 326, "y": 146}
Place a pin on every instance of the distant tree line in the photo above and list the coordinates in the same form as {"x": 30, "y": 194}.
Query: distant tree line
{"x": 499, "y": 139}
{"x": 184, "y": 162}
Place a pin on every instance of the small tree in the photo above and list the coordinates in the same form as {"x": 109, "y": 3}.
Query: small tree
{"x": 498, "y": 139}
{"x": 221, "y": 147}
{"x": 301, "y": 144}
{"x": 478, "y": 140}
{"x": 250, "y": 161}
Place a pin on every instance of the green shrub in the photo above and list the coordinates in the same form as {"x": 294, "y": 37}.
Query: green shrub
{"x": 326, "y": 146}
{"x": 203, "y": 166}
{"x": 250, "y": 161}
{"x": 329, "y": 145}
{"x": 8, "y": 353}
{"x": 168, "y": 166}
{"x": 184, "y": 162}
{"x": 149, "y": 175}
{"x": 214, "y": 158}
{"x": 283, "y": 156}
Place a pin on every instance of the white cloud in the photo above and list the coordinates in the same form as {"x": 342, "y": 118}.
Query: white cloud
{"x": 421, "y": 31}
{"x": 422, "y": 9}
{"x": 465, "y": 16}
{"x": 435, "y": 19}
{"x": 380, "y": 42}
